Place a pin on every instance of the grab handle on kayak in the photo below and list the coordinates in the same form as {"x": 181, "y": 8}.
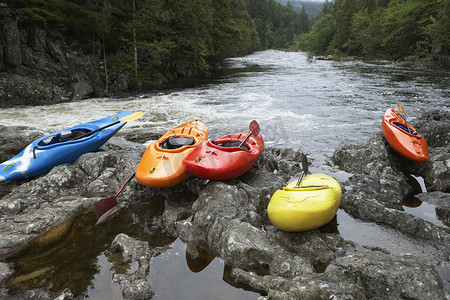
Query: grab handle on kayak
{"x": 312, "y": 186}
{"x": 8, "y": 165}
{"x": 306, "y": 188}
{"x": 34, "y": 152}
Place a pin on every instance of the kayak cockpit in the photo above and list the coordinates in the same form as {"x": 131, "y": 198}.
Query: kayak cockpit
{"x": 398, "y": 125}
{"x": 230, "y": 144}
{"x": 175, "y": 142}
{"x": 63, "y": 136}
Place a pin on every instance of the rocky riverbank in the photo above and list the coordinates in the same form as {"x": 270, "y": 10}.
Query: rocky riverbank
{"x": 38, "y": 67}
{"x": 229, "y": 219}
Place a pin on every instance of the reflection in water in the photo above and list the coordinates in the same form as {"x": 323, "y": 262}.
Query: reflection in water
{"x": 197, "y": 258}
{"x": 71, "y": 254}
{"x": 373, "y": 235}
{"x": 426, "y": 211}
{"x": 417, "y": 183}
{"x": 414, "y": 206}
{"x": 171, "y": 278}
{"x": 227, "y": 277}
{"x": 330, "y": 227}
{"x": 74, "y": 255}
{"x": 411, "y": 201}
{"x": 320, "y": 267}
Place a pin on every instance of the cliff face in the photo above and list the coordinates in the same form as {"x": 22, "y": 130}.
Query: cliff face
{"x": 37, "y": 68}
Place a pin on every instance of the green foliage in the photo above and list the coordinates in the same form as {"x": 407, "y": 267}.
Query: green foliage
{"x": 276, "y": 24}
{"x": 169, "y": 37}
{"x": 402, "y": 25}
{"x": 365, "y": 35}
{"x": 439, "y": 28}
{"x": 321, "y": 35}
{"x": 382, "y": 28}
{"x": 58, "y": 17}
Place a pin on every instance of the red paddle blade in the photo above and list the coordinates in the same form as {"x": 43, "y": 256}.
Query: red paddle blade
{"x": 107, "y": 214}
{"x": 102, "y": 206}
{"x": 254, "y": 127}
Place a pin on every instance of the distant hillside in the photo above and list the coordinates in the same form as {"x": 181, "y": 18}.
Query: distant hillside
{"x": 312, "y": 8}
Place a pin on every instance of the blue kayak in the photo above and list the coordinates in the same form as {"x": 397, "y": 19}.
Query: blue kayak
{"x": 62, "y": 147}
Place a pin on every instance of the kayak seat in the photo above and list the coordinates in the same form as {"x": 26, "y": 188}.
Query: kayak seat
{"x": 77, "y": 133}
{"x": 48, "y": 141}
{"x": 65, "y": 135}
{"x": 175, "y": 142}
{"x": 232, "y": 144}
{"x": 404, "y": 128}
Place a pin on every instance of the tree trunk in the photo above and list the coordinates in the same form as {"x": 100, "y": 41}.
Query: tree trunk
{"x": 135, "y": 44}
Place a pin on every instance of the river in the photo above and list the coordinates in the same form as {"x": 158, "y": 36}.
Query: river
{"x": 313, "y": 105}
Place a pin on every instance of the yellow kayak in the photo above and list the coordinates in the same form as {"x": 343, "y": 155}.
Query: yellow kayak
{"x": 307, "y": 207}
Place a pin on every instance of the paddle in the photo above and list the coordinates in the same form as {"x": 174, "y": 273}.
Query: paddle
{"x": 128, "y": 118}
{"x": 304, "y": 170}
{"x": 105, "y": 207}
{"x": 254, "y": 129}
{"x": 403, "y": 112}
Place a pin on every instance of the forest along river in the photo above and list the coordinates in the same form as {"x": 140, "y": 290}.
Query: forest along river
{"x": 312, "y": 105}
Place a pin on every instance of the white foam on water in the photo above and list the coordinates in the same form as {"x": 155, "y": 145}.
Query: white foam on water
{"x": 312, "y": 105}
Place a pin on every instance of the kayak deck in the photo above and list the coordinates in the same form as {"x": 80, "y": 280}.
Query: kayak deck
{"x": 409, "y": 144}
{"x": 307, "y": 207}
{"x": 222, "y": 158}
{"x": 61, "y": 147}
{"x": 161, "y": 165}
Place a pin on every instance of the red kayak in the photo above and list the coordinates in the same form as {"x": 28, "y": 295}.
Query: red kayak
{"x": 225, "y": 158}
{"x": 404, "y": 138}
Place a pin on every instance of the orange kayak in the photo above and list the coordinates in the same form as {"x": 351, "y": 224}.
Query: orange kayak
{"x": 161, "y": 165}
{"x": 411, "y": 145}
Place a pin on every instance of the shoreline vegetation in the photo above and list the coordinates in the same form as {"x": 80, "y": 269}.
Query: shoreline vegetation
{"x": 57, "y": 51}
{"x": 155, "y": 41}
{"x": 387, "y": 29}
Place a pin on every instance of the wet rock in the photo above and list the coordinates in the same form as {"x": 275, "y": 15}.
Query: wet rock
{"x": 441, "y": 203}
{"x": 377, "y": 168}
{"x": 435, "y": 127}
{"x": 28, "y": 295}
{"x": 376, "y": 191}
{"x": 14, "y": 139}
{"x": 82, "y": 90}
{"x": 364, "y": 207}
{"x": 229, "y": 219}
{"x": 30, "y": 207}
{"x": 375, "y": 194}
{"x": 391, "y": 277}
{"x": 5, "y": 270}
{"x": 437, "y": 171}
{"x": 65, "y": 295}
{"x": 134, "y": 285}
{"x": 300, "y": 287}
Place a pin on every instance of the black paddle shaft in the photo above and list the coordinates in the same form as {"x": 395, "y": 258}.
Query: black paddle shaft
{"x": 304, "y": 170}
{"x": 94, "y": 131}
